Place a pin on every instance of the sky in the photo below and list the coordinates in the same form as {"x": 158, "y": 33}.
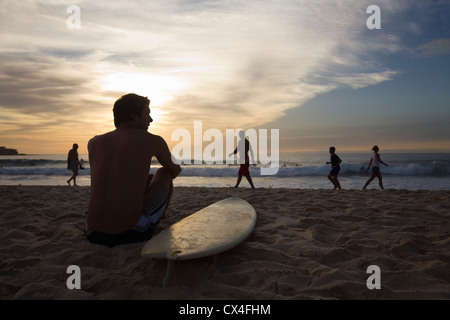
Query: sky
{"x": 314, "y": 70}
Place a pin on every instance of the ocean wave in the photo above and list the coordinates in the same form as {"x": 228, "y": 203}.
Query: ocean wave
{"x": 58, "y": 168}
{"x": 40, "y": 171}
{"x": 23, "y": 162}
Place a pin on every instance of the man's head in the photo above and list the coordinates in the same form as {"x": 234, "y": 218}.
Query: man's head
{"x": 332, "y": 149}
{"x": 129, "y": 108}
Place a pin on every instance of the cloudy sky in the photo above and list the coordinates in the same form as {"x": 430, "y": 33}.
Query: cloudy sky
{"x": 312, "y": 69}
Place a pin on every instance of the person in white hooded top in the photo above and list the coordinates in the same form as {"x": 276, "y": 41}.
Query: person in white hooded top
{"x": 375, "y": 161}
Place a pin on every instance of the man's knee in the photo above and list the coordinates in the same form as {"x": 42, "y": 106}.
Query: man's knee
{"x": 163, "y": 173}
{"x": 162, "y": 178}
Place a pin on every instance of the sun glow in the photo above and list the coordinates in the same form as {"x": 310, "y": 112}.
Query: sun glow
{"x": 158, "y": 88}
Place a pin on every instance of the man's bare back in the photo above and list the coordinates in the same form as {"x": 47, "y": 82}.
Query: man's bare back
{"x": 120, "y": 162}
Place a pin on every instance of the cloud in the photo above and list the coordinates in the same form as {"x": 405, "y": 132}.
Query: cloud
{"x": 432, "y": 49}
{"x": 259, "y": 61}
{"x": 239, "y": 64}
{"x": 357, "y": 81}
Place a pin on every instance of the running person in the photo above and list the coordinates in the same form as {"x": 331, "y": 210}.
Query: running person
{"x": 335, "y": 162}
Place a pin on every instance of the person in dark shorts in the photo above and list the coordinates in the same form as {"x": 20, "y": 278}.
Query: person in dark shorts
{"x": 375, "y": 160}
{"x": 335, "y": 162}
{"x": 244, "y": 167}
{"x": 126, "y": 202}
{"x": 73, "y": 164}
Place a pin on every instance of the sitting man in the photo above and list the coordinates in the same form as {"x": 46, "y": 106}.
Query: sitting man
{"x": 126, "y": 203}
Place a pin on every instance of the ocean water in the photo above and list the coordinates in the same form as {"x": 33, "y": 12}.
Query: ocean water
{"x": 412, "y": 171}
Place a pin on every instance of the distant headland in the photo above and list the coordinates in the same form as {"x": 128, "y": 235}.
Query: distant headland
{"x": 8, "y": 152}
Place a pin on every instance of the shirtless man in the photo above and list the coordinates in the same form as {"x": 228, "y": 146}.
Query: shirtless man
{"x": 126, "y": 202}
{"x": 244, "y": 167}
{"x": 335, "y": 162}
{"x": 73, "y": 163}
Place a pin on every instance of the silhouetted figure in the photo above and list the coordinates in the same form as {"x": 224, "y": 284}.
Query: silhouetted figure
{"x": 376, "y": 160}
{"x": 335, "y": 162}
{"x": 126, "y": 203}
{"x": 73, "y": 164}
{"x": 244, "y": 145}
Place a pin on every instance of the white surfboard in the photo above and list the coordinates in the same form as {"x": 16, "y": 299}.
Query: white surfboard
{"x": 209, "y": 231}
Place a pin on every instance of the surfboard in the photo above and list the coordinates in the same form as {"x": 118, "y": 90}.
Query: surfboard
{"x": 209, "y": 231}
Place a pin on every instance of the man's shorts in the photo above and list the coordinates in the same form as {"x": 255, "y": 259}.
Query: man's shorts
{"x": 129, "y": 236}
{"x": 153, "y": 211}
{"x": 375, "y": 170}
{"x": 244, "y": 170}
{"x": 154, "y": 207}
{"x": 335, "y": 171}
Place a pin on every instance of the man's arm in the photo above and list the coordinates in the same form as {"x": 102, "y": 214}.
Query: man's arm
{"x": 252, "y": 161}
{"x": 234, "y": 152}
{"x": 165, "y": 158}
{"x": 91, "y": 148}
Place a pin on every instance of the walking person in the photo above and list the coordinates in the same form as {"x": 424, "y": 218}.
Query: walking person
{"x": 245, "y": 147}
{"x": 375, "y": 161}
{"x": 73, "y": 164}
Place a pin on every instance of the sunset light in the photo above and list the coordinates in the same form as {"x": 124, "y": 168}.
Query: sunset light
{"x": 158, "y": 88}
{"x": 322, "y": 73}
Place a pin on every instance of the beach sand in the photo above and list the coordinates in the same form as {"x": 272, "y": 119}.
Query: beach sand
{"x": 307, "y": 244}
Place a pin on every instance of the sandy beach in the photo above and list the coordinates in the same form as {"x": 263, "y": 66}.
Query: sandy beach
{"x": 307, "y": 244}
